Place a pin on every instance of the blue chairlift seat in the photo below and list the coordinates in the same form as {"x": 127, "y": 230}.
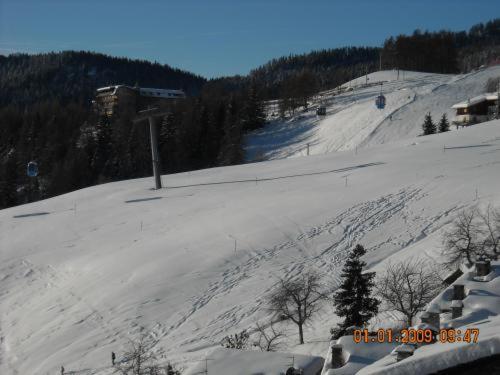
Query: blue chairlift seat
{"x": 380, "y": 101}
{"x": 32, "y": 169}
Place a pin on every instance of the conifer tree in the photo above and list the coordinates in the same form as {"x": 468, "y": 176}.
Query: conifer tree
{"x": 231, "y": 151}
{"x": 103, "y": 147}
{"x": 444, "y": 125}
{"x": 428, "y": 126}
{"x": 253, "y": 116}
{"x": 9, "y": 181}
{"x": 353, "y": 300}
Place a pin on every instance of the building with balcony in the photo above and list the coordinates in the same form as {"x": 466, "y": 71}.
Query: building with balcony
{"x": 475, "y": 110}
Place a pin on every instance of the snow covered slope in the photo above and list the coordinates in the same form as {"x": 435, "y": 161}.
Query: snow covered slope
{"x": 353, "y": 121}
{"x": 83, "y": 272}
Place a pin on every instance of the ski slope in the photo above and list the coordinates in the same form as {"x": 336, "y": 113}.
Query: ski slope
{"x": 352, "y": 120}
{"x": 84, "y": 272}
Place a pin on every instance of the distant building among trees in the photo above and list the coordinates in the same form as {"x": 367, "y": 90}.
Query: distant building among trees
{"x": 117, "y": 99}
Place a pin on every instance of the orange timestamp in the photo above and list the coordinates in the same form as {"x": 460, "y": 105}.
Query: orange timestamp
{"x": 416, "y": 336}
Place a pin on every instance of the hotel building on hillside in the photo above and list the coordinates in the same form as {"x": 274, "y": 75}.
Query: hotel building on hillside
{"x": 116, "y": 99}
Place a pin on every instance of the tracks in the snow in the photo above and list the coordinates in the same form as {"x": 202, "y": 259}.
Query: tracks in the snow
{"x": 323, "y": 247}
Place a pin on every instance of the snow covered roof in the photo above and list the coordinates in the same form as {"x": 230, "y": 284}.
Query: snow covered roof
{"x": 424, "y": 326}
{"x": 405, "y": 348}
{"x": 475, "y": 100}
{"x": 433, "y": 308}
{"x": 109, "y": 88}
{"x": 481, "y": 312}
{"x": 244, "y": 362}
{"x": 147, "y": 91}
{"x": 356, "y": 355}
{"x": 162, "y": 93}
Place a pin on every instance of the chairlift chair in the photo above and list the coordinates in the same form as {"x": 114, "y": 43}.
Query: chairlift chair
{"x": 380, "y": 101}
{"x": 32, "y": 170}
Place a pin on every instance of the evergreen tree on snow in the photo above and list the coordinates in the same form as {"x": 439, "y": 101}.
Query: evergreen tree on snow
{"x": 428, "y": 126}
{"x": 444, "y": 125}
{"x": 353, "y": 300}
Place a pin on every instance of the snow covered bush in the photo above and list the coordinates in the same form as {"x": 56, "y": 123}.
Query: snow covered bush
{"x": 236, "y": 341}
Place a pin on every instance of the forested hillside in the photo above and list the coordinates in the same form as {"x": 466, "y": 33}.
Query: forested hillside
{"x": 73, "y": 76}
{"x": 444, "y": 51}
{"x": 46, "y": 116}
{"x": 320, "y": 69}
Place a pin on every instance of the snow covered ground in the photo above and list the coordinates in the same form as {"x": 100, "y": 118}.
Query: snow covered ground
{"x": 352, "y": 120}
{"x": 84, "y": 272}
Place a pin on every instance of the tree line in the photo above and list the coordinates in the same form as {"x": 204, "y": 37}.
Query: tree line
{"x": 73, "y": 76}
{"x": 444, "y": 51}
{"x": 75, "y": 148}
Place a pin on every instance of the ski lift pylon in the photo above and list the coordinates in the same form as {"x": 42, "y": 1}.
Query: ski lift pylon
{"x": 32, "y": 170}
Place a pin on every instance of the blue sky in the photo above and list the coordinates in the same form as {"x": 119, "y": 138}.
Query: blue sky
{"x": 222, "y": 37}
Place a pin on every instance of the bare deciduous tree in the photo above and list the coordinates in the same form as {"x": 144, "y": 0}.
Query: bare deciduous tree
{"x": 475, "y": 233}
{"x": 269, "y": 338}
{"x": 463, "y": 240}
{"x": 140, "y": 359}
{"x": 490, "y": 222}
{"x": 298, "y": 299}
{"x": 407, "y": 287}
